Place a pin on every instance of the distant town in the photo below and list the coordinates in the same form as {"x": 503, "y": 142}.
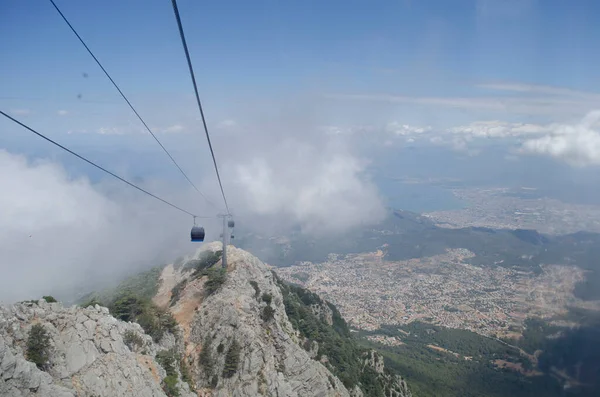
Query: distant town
{"x": 442, "y": 289}
{"x": 507, "y": 208}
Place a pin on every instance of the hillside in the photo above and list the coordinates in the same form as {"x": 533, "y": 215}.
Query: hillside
{"x": 190, "y": 328}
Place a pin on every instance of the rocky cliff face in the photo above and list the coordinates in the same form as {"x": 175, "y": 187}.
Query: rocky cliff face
{"x": 233, "y": 338}
{"x": 246, "y": 311}
{"x": 87, "y": 354}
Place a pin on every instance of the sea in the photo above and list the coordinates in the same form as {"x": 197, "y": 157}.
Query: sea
{"x": 417, "y": 197}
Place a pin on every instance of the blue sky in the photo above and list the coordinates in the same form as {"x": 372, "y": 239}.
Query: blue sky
{"x": 251, "y": 50}
{"x": 267, "y": 64}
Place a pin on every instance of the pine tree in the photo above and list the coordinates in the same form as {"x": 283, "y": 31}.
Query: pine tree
{"x": 232, "y": 359}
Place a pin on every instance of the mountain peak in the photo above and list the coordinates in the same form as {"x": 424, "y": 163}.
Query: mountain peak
{"x": 246, "y": 310}
{"x": 206, "y": 331}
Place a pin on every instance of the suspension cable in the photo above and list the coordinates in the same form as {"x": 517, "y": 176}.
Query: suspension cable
{"x": 128, "y": 102}
{"x": 189, "y": 62}
{"x": 99, "y": 167}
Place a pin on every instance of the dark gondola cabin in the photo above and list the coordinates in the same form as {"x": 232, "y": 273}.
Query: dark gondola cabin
{"x": 231, "y": 223}
{"x": 197, "y": 234}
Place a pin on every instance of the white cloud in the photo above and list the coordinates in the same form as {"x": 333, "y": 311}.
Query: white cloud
{"x": 397, "y": 128}
{"x": 475, "y": 103}
{"x": 59, "y": 233}
{"x": 62, "y": 112}
{"x": 550, "y": 101}
{"x": 540, "y": 89}
{"x": 322, "y": 193}
{"x": 227, "y": 124}
{"x": 298, "y": 172}
{"x": 497, "y": 129}
{"x": 20, "y": 112}
{"x": 578, "y": 144}
{"x": 335, "y": 130}
{"x": 110, "y": 131}
{"x": 174, "y": 129}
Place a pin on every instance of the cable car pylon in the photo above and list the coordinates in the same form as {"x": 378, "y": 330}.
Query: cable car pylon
{"x": 227, "y": 223}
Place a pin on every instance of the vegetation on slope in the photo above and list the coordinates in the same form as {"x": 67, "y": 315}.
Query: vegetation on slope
{"x": 216, "y": 278}
{"x": 131, "y": 300}
{"x": 38, "y": 346}
{"x": 205, "y": 260}
{"x": 232, "y": 359}
{"x": 432, "y": 372}
{"x": 345, "y": 358}
{"x": 143, "y": 285}
{"x": 168, "y": 359}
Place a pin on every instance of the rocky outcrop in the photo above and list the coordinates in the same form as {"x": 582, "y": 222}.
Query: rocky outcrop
{"x": 323, "y": 312}
{"x": 87, "y": 354}
{"x": 394, "y": 385}
{"x": 269, "y": 360}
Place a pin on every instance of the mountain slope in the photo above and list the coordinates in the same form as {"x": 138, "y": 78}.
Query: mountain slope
{"x": 86, "y": 354}
{"x": 249, "y": 311}
{"x": 202, "y": 331}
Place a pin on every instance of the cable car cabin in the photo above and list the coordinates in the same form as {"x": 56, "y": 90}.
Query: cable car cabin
{"x": 231, "y": 223}
{"x": 197, "y": 234}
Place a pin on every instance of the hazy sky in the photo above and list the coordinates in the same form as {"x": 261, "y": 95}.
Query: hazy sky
{"x": 303, "y": 99}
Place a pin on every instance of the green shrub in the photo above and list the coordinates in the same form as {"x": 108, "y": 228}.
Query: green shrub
{"x": 167, "y": 359}
{"x": 38, "y": 346}
{"x": 216, "y": 278}
{"x": 267, "y": 298}
{"x": 267, "y": 313}
{"x": 254, "y": 285}
{"x": 133, "y": 340}
{"x": 154, "y": 320}
{"x": 232, "y": 359}
{"x": 206, "y": 260}
{"x": 186, "y": 374}
{"x": 176, "y": 291}
{"x": 167, "y": 321}
{"x": 206, "y": 359}
{"x": 127, "y": 307}
{"x": 49, "y": 299}
{"x": 170, "y": 386}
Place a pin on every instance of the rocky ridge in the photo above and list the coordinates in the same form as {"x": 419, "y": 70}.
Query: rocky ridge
{"x": 87, "y": 354}
{"x": 235, "y": 340}
{"x": 271, "y": 361}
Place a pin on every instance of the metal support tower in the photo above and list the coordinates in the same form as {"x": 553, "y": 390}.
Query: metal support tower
{"x": 224, "y": 257}
{"x": 225, "y": 238}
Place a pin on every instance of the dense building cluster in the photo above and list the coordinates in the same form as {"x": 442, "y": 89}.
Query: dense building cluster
{"x": 442, "y": 289}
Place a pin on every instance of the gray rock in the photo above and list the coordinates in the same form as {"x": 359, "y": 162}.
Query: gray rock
{"x": 271, "y": 360}
{"x": 88, "y": 356}
{"x": 79, "y": 355}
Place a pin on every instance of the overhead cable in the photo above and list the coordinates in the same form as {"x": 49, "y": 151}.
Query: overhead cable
{"x": 129, "y": 103}
{"x": 189, "y": 62}
{"x": 99, "y": 167}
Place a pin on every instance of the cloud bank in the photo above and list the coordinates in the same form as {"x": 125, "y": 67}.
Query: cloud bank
{"x": 578, "y": 144}
{"x": 64, "y": 235}
{"x": 58, "y": 234}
